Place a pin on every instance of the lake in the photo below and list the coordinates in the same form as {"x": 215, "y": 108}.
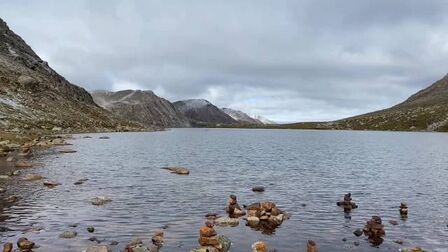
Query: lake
{"x": 305, "y": 173}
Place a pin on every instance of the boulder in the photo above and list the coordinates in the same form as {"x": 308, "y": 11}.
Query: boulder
{"x": 25, "y": 244}
{"x": 177, "y": 170}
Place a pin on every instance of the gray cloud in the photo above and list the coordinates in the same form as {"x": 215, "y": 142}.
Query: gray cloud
{"x": 286, "y": 60}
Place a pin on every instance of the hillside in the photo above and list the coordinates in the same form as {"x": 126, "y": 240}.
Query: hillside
{"x": 201, "y": 112}
{"x": 141, "y": 106}
{"x": 427, "y": 110}
{"x": 34, "y": 97}
{"x": 240, "y": 116}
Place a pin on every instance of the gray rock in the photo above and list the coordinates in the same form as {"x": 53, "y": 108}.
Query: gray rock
{"x": 100, "y": 200}
{"x": 69, "y": 234}
{"x": 99, "y": 248}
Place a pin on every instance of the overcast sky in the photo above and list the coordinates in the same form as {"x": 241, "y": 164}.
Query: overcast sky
{"x": 285, "y": 60}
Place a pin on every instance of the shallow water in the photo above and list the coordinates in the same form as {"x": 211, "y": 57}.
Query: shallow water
{"x": 315, "y": 168}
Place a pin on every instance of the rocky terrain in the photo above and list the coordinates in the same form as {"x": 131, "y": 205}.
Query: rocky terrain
{"x": 241, "y": 117}
{"x": 141, "y": 106}
{"x": 34, "y": 97}
{"x": 427, "y": 110}
{"x": 201, "y": 112}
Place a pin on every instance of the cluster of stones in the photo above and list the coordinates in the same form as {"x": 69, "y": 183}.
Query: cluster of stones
{"x": 138, "y": 246}
{"x": 210, "y": 241}
{"x": 233, "y": 208}
{"x": 374, "y": 230}
{"x": 347, "y": 203}
{"x": 265, "y": 216}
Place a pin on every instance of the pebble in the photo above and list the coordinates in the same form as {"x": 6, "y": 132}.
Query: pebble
{"x": 358, "y": 232}
{"x": 356, "y": 243}
{"x": 94, "y": 239}
{"x": 90, "y": 229}
{"x": 227, "y": 221}
{"x": 68, "y": 234}
{"x": 51, "y": 184}
{"x": 16, "y": 173}
{"x": 393, "y": 222}
{"x": 10, "y": 159}
{"x": 399, "y": 242}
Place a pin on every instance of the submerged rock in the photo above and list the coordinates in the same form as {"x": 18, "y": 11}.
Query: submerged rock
{"x": 100, "y": 200}
{"x": 67, "y": 151}
{"x": 265, "y": 216}
{"x": 23, "y": 164}
{"x": 90, "y": 229}
{"x": 32, "y": 177}
{"x": 99, "y": 248}
{"x": 69, "y": 234}
{"x": 393, "y": 222}
{"x": 374, "y": 230}
{"x": 177, "y": 170}
{"x": 51, "y": 184}
{"x": 403, "y": 209}
{"x": 227, "y": 221}
{"x": 7, "y": 247}
{"x": 157, "y": 238}
{"x": 81, "y": 181}
{"x": 104, "y": 137}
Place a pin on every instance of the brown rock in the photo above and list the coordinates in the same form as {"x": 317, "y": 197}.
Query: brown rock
{"x": 258, "y": 189}
{"x": 7, "y": 247}
{"x": 260, "y": 246}
{"x": 51, "y": 184}
{"x": 157, "y": 238}
{"x": 311, "y": 246}
{"x": 178, "y": 170}
{"x": 23, "y": 164}
{"x": 25, "y": 244}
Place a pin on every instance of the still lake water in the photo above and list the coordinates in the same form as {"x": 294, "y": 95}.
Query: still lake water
{"x": 315, "y": 168}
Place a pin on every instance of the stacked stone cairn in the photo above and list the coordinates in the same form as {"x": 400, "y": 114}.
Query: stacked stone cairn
{"x": 374, "y": 230}
{"x": 347, "y": 203}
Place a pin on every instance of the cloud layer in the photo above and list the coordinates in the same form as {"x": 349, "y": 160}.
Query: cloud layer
{"x": 285, "y": 60}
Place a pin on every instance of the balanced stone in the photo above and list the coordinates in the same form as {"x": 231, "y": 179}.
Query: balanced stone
{"x": 347, "y": 203}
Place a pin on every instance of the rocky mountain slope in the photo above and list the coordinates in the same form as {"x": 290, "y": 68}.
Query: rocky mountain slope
{"x": 427, "y": 110}
{"x": 201, "y": 112}
{"x": 141, "y": 106}
{"x": 34, "y": 96}
{"x": 240, "y": 116}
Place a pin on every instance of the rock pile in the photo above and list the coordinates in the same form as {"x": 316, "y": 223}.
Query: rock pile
{"x": 264, "y": 216}
{"x": 210, "y": 241}
{"x": 347, "y": 203}
{"x": 233, "y": 209}
{"x": 374, "y": 230}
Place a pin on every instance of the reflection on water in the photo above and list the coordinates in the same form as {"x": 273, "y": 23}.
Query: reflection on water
{"x": 305, "y": 173}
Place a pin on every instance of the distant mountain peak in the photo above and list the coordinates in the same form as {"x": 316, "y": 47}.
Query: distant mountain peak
{"x": 202, "y": 112}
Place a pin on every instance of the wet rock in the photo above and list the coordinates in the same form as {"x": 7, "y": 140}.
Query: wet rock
{"x": 2, "y": 190}
{"x": 12, "y": 199}
{"x": 7, "y": 247}
{"x": 347, "y": 203}
{"x": 393, "y": 222}
{"x": 24, "y": 244}
{"x": 86, "y": 137}
{"x": 157, "y": 238}
{"x": 253, "y": 220}
{"x": 104, "y": 137}
{"x": 99, "y": 248}
{"x": 16, "y": 173}
{"x": 4, "y": 229}
{"x": 311, "y": 246}
{"x": 344, "y": 239}
{"x": 374, "y": 230}
{"x": 358, "y": 232}
{"x": 100, "y": 200}
{"x": 32, "y": 177}
{"x": 67, "y": 151}
{"x": 177, "y": 170}
{"x": 356, "y": 243}
{"x": 399, "y": 242}
{"x": 4, "y": 177}
{"x": 51, "y": 184}
{"x": 258, "y": 188}
{"x": 94, "y": 239}
{"x": 259, "y": 246}
{"x": 403, "y": 209}
{"x": 73, "y": 225}
{"x": 227, "y": 221}
{"x": 10, "y": 159}
{"x": 69, "y": 234}
{"x": 23, "y": 164}
{"x": 224, "y": 244}
{"x": 90, "y": 229}
{"x": 265, "y": 216}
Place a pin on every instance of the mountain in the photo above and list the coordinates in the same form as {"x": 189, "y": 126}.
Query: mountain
{"x": 141, "y": 106}
{"x": 240, "y": 116}
{"x": 427, "y": 110}
{"x": 34, "y": 96}
{"x": 201, "y": 112}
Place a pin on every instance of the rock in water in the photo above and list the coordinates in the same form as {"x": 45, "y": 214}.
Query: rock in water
{"x": 32, "y": 177}
{"x": 7, "y": 247}
{"x": 104, "y": 137}
{"x": 258, "y": 189}
{"x": 374, "y": 230}
{"x": 100, "y": 200}
{"x": 90, "y": 229}
{"x": 226, "y": 221}
{"x": 23, "y": 164}
{"x": 67, "y": 151}
{"x": 260, "y": 246}
{"x": 311, "y": 246}
{"x": 24, "y": 244}
{"x": 403, "y": 209}
{"x": 68, "y": 234}
{"x": 177, "y": 170}
{"x": 51, "y": 184}
{"x": 102, "y": 248}
{"x": 157, "y": 238}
